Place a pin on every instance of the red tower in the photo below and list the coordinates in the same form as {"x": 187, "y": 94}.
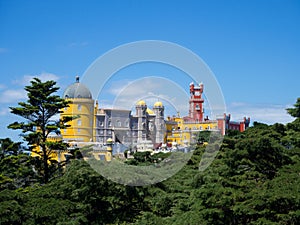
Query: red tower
{"x": 196, "y": 102}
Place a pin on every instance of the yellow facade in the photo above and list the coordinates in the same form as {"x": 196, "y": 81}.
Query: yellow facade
{"x": 54, "y": 155}
{"x": 81, "y": 128}
{"x": 184, "y": 133}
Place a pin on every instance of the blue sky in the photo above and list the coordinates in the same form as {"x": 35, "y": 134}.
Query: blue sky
{"x": 252, "y": 47}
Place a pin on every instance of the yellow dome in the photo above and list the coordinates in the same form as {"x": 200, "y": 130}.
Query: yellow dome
{"x": 109, "y": 140}
{"x": 149, "y": 111}
{"x": 141, "y": 102}
{"x": 158, "y": 104}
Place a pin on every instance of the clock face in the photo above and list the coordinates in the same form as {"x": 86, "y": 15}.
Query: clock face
{"x": 197, "y": 93}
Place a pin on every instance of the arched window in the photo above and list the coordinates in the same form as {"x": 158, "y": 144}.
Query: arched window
{"x": 118, "y": 124}
{"x": 79, "y": 107}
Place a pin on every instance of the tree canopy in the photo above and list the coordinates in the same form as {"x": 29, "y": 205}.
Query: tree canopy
{"x": 38, "y": 111}
{"x": 254, "y": 179}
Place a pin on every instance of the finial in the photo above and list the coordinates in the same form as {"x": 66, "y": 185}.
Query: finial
{"x": 77, "y": 79}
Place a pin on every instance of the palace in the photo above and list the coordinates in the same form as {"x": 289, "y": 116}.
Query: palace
{"x": 97, "y": 125}
{"x": 183, "y": 130}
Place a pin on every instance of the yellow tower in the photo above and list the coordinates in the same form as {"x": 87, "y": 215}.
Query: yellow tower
{"x": 82, "y": 105}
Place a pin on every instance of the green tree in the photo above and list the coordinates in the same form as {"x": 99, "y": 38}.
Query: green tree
{"x": 295, "y": 112}
{"x": 16, "y": 167}
{"x": 39, "y": 109}
{"x": 203, "y": 136}
{"x": 8, "y": 147}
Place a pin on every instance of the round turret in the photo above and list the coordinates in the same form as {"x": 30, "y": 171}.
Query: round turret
{"x": 77, "y": 90}
{"x": 158, "y": 104}
{"x": 141, "y": 103}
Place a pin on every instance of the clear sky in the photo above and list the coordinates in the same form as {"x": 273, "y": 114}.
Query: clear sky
{"x": 252, "y": 47}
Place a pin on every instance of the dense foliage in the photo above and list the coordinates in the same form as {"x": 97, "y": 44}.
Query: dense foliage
{"x": 253, "y": 180}
{"x": 38, "y": 111}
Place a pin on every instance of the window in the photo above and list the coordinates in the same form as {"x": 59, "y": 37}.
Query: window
{"x": 127, "y": 123}
{"x": 79, "y": 107}
{"x": 109, "y": 123}
{"x": 119, "y": 123}
{"x": 78, "y": 130}
{"x": 65, "y": 130}
{"x": 208, "y": 127}
{"x": 151, "y": 126}
{"x": 79, "y": 122}
{"x": 200, "y": 128}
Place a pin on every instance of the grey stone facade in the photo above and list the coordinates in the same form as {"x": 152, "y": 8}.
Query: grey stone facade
{"x": 128, "y": 129}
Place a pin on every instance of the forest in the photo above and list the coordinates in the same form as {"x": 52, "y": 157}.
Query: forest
{"x": 254, "y": 179}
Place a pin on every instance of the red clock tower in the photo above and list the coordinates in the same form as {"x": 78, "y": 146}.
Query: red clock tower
{"x": 196, "y": 102}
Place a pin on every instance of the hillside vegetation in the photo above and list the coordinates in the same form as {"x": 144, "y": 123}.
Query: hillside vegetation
{"x": 253, "y": 180}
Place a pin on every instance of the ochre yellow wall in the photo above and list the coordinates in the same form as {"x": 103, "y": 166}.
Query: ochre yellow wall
{"x": 84, "y": 131}
{"x": 54, "y": 155}
{"x": 183, "y": 133}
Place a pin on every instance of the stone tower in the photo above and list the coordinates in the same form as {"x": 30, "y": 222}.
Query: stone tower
{"x": 196, "y": 102}
{"x": 82, "y": 105}
{"x": 158, "y": 109}
{"x": 141, "y": 109}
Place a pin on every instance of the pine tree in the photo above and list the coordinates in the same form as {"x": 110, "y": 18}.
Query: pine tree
{"x": 39, "y": 111}
{"x": 295, "y": 112}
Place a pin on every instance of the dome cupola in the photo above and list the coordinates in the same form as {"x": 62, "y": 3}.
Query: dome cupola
{"x": 158, "y": 104}
{"x": 77, "y": 90}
